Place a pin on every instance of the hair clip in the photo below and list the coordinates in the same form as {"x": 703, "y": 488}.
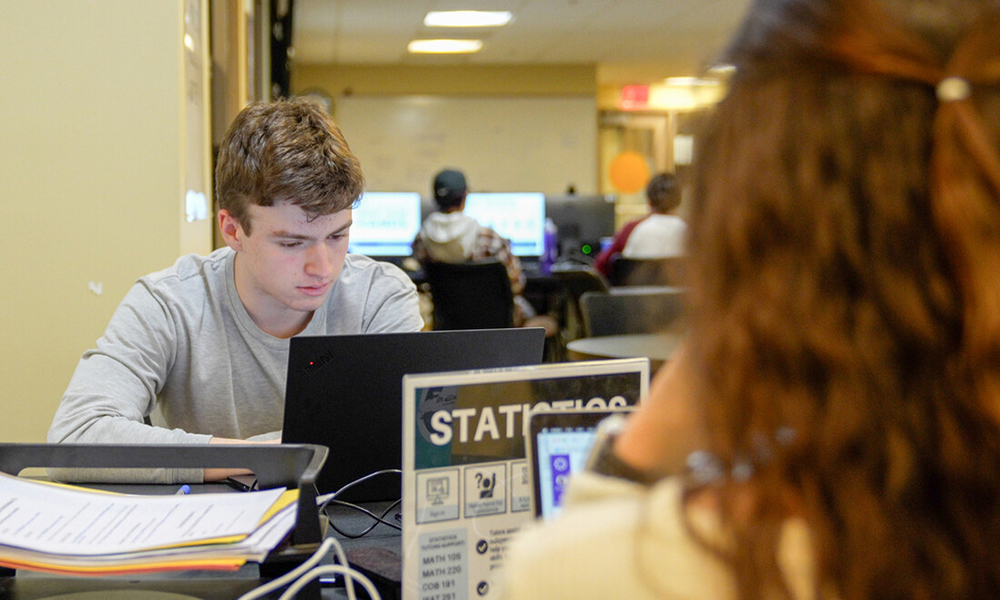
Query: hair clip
{"x": 704, "y": 467}
{"x": 953, "y": 89}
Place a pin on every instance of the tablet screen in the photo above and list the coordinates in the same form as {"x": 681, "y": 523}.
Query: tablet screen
{"x": 558, "y": 446}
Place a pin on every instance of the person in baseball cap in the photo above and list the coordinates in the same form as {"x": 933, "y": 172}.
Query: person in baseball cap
{"x": 449, "y": 189}
{"x": 451, "y": 236}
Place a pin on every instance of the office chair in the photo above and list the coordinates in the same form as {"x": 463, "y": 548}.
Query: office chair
{"x": 575, "y": 280}
{"x": 625, "y": 311}
{"x": 470, "y": 295}
{"x": 646, "y": 271}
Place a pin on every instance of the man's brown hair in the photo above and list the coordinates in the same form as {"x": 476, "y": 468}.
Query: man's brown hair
{"x": 663, "y": 193}
{"x": 290, "y": 150}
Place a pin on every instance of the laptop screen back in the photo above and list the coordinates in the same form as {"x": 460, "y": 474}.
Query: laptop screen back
{"x": 345, "y": 392}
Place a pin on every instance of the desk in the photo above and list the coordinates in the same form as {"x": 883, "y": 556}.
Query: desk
{"x": 657, "y": 347}
{"x": 624, "y": 290}
{"x": 275, "y": 465}
{"x": 377, "y": 555}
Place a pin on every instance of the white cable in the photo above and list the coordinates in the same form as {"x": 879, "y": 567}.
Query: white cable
{"x": 301, "y": 570}
{"x": 274, "y": 584}
{"x": 342, "y": 559}
{"x": 348, "y": 573}
{"x": 307, "y": 571}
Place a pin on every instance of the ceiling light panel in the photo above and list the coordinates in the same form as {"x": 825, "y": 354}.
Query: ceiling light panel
{"x": 444, "y": 46}
{"x": 467, "y": 18}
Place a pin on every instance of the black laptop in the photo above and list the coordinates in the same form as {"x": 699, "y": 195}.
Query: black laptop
{"x": 345, "y": 392}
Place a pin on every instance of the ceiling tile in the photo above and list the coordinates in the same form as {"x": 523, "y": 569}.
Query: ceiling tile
{"x": 676, "y": 37}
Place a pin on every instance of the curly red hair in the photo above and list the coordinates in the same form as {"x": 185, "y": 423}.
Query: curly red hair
{"x": 844, "y": 269}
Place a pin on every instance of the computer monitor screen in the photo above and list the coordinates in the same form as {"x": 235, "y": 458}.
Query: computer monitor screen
{"x": 517, "y": 216}
{"x": 385, "y": 223}
{"x": 581, "y": 222}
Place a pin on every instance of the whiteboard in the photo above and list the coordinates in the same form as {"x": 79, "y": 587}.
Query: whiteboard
{"x": 501, "y": 144}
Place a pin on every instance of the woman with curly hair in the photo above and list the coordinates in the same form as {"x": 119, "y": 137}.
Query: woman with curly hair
{"x": 840, "y": 387}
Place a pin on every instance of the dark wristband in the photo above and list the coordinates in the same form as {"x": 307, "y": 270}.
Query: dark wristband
{"x": 604, "y": 461}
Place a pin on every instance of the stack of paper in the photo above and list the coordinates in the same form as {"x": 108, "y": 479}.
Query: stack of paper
{"x": 73, "y": 530}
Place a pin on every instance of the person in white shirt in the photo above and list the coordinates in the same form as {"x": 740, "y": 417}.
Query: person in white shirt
{"x": 661, "y": 234}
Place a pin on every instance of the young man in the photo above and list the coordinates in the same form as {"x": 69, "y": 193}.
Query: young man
{"x": 451, "y": 236}
{"x": 201, "y": 349}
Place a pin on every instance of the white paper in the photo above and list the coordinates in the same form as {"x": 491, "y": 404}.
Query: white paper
{"x": 62, "y": 520}
{"x": 254, "y": 548}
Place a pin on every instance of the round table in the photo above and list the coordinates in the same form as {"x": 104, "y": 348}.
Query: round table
{"x": 657, "y": 347}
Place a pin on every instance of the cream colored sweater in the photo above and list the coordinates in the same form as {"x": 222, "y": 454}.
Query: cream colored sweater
{"x": 620, "y": 540}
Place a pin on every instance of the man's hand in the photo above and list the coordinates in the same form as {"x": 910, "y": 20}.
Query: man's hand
{"x": 220, "y": 474}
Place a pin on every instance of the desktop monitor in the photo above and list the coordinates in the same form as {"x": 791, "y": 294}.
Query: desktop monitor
{"x": 517, "y": 216}
{"x": 385, "y": 224}
{"x": 581, "y": 222}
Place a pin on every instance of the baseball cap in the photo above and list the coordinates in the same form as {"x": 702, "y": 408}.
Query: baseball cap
{"x": 449, "y": 185}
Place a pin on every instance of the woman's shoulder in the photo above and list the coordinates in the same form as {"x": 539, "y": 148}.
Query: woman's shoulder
{"x": 631, "y": 542}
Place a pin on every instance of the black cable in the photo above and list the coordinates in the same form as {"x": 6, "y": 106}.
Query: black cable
{"x": 376, "y": 519}
{"x": 325, "y": 500}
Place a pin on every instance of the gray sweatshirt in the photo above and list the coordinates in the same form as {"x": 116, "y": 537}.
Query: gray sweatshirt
{"x": 182, "y": 350}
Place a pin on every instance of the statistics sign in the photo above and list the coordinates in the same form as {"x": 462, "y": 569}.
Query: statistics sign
{"x": 466, "y": 487}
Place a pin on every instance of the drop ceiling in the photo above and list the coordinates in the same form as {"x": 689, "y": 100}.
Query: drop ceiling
{"x": 628, "y": 41}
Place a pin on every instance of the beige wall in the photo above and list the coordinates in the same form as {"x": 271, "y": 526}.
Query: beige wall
{"x": 91, "y": 181}
{"x": 538, "y": 80}
{"x": 509, "y": 128}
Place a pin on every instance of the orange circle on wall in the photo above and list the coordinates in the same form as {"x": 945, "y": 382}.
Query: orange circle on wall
{"x": 629, "y": 172}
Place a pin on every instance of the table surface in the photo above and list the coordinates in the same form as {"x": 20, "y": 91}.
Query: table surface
{"x": 658, "y": 347}
{"x": 377, "y": 552}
